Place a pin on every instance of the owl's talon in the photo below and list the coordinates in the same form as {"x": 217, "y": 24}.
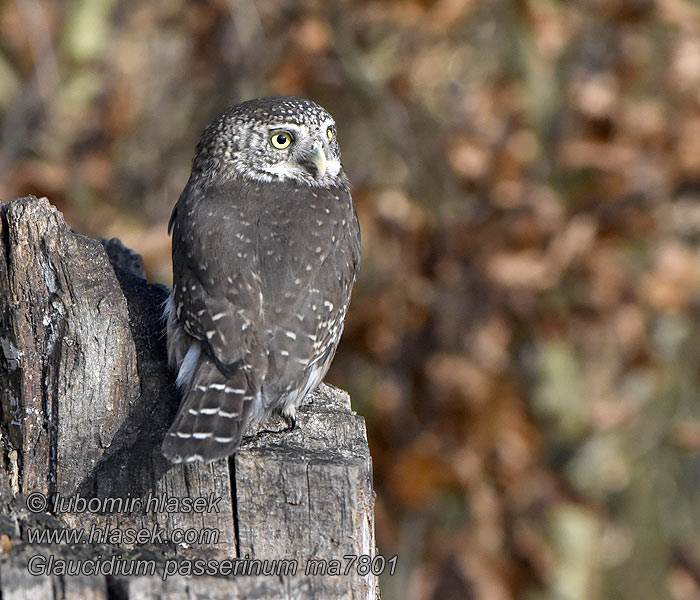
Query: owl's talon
{"x": 291, "y": 421}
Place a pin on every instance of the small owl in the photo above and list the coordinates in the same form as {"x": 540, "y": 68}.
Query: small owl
{"x": 266, "y": 248}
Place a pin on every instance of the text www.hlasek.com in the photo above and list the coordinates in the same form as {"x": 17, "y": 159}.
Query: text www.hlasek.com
{"x": 120, "y": 536}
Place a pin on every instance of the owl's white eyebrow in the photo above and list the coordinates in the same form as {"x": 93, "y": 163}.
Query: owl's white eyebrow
{"x": 285, "y": 127}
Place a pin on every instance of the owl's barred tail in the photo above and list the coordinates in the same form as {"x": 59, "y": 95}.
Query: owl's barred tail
{"x": 212, "y": 416}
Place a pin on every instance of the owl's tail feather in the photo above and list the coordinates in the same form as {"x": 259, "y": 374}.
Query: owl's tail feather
{"x": 212, "y": 416}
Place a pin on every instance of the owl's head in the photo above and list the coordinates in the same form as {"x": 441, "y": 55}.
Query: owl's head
{"x": 272, "y": 139}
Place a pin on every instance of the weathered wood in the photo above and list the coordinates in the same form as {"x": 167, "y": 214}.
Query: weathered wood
{"x": 63, "y": 314}
{"x": 85, "y": 399}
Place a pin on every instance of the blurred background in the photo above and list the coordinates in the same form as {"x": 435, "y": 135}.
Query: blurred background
{"x": 524, "y": 337}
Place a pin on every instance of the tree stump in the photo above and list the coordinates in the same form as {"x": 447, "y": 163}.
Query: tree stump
{"x": 85, "y": 400}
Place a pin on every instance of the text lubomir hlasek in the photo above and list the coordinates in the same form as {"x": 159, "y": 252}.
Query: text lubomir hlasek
{"x": 153, "y": 503}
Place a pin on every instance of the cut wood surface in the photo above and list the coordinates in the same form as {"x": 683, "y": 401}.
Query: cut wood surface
{"x": 85, "y": 399}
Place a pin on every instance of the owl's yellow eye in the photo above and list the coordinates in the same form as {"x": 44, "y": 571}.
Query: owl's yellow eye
{"x": 281, "y": 140}
{"x": 329, "y": 134}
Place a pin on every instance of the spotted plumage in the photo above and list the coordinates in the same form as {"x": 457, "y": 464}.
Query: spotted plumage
{"x": 265, "y": 252}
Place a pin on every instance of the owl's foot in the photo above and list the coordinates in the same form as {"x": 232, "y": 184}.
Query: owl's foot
{"x": 290, "y": 419}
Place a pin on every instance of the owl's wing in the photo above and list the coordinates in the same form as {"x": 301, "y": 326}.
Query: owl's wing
{"x": 217, "y": 291}
{"x": 217, "y": 299}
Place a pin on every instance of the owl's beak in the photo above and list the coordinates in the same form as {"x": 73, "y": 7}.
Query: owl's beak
{"x": 317, "y": 159}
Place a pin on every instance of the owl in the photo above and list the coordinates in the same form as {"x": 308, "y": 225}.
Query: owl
{"x": 266, "y": 249}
